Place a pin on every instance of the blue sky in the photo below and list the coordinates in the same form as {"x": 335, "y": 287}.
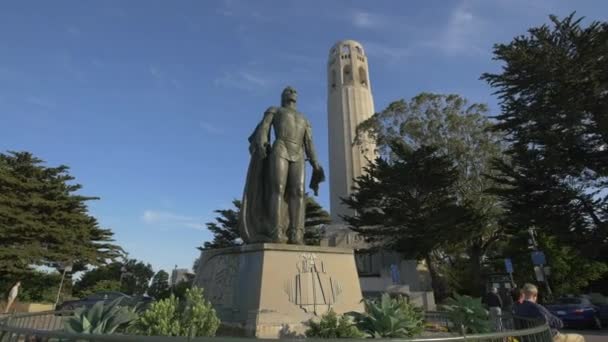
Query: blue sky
{"x": 151, "y": 102}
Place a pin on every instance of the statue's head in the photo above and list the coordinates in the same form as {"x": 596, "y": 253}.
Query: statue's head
{"x": 289, "y": 95}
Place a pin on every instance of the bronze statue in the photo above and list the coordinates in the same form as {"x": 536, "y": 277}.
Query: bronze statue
{"x": 273, "y": 204}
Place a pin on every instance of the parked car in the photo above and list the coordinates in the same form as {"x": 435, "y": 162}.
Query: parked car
{"x": 601, "y": 302}
{"x": 107, "y": 296}
{"x": 576, "y": 311}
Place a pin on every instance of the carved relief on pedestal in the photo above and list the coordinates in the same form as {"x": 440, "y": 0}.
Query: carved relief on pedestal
{"x": 219, "y": 286}
{"x": 312, "y": 289}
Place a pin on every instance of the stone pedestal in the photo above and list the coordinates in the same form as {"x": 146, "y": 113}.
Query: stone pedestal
{"x": 271, "y": 290}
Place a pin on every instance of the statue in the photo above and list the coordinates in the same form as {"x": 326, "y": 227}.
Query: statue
{"x": 273, "y": 204}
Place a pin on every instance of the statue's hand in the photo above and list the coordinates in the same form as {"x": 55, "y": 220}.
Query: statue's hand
{"x": 318, "y": 176}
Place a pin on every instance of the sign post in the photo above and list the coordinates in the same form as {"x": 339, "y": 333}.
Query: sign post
{"x": 539, "y": 261}
{"x": 509, "y": 269}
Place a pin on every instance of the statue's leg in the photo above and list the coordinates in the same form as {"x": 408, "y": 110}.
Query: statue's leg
{"x": 297, "y": 205}
{"x": 278, "y": 179}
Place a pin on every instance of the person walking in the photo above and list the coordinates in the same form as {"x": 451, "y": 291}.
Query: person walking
{"x": 531, "y": 309}
{"x": 494, "y": 303}
{"x": 12, "y": 295}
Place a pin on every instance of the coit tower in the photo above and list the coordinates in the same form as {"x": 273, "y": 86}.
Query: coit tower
{"x": 349, "y": 102}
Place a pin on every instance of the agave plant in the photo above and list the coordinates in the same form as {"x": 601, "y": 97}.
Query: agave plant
{"x": 390, "y": 318}
{"x": 101, "y": 318}
{"x": 468, "y": 314}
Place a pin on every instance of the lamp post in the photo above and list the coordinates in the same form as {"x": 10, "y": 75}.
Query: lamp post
{"x": 67, "y": 268}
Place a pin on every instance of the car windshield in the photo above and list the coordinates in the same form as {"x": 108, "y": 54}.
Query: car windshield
{"x": 569, "y": 301}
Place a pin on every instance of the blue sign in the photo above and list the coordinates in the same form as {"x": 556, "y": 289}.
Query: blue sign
{"x": 395, "y": 274}
{"x": 509, "y": 265}
{"x": 538, "y": 258}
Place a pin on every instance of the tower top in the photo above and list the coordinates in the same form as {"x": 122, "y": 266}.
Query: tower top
{"x": 347, "y": 44}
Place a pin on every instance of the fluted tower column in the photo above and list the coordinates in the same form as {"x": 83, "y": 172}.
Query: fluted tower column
{"x": 349, "y": 102}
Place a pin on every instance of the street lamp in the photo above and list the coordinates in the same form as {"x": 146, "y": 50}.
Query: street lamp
{"x": 66, "y": 268}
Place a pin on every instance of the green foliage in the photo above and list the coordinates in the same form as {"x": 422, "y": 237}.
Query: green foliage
{"x": 552, "y": 89}
{"x": 467, "y": 312}
{"x": 43, "y": 222}
{"x": 136, "y": 278}
{"x": 390, "y": 318}
{"x": 180, "y": 289}
{"x": 333, "y": 326}
{"x": 102, "y": 318}
{"x": 226, "y": 232}
{"x": 101, "y": 286}
{"x": 133, "y": 281}
{"x": 192, "y": 317}
{"x": 571, "y": 270}
{"x": 408, "y": 204}
{"x": 38, "y": 287}
{"x": 316, "y": 218}
{"x": 460, "y": 130}
{"x": 159, "y": 288}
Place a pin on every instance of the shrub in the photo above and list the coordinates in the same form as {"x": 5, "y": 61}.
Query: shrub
{"x": 194, "y": 316}
{"x": 101, "y": 318}
{"x": 468, "y": 313}
{"x": 390, "y": 318}
{"x": 333, "y": 326}
{"x": 101, "y": 286}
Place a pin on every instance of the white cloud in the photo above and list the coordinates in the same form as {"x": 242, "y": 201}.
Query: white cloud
{"x": 387, "y": 52}
{"x": 168, "y": 218}
{"x": 155, "y": 72}
{"x": 244, "y": 80}
{"x": 363, "y": 19}
{"x": 74, "y": 31}
{"x": 462, "y": 33}
{"x": 163, "y": 78}
{"x": 210, "y": 128}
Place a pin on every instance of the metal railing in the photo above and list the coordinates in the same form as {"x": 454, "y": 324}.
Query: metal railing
{"x": 48, "y": 327}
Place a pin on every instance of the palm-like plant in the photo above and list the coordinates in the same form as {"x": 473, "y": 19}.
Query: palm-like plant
{"x": 390, "y": 318}
{"x": 468, "y": 314}
{"x": 101, "y": 318}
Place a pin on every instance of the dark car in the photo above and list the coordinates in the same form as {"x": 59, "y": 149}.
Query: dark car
{"x": 576, "y": 311}
{"x": 107, "y": 296}
{"x": 601, "y": 302}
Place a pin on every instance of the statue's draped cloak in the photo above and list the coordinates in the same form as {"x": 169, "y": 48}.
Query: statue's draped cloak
{"x": 254, "y": 225}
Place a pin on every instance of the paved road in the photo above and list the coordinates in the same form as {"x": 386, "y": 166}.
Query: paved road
{"x": 591, "y": 335}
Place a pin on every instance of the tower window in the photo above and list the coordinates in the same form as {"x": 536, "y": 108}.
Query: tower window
{"x": 333, "y": 79}
{"x": 358, "y": 49}
{"x": 362, "y": 76}
{"x": 345, "y": 49}
{"x": 347, "y": 74}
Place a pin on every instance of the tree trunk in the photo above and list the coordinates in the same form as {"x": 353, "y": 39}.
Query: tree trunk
{"x": 435, "y": 283}
{"x": 475, "y": 257}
